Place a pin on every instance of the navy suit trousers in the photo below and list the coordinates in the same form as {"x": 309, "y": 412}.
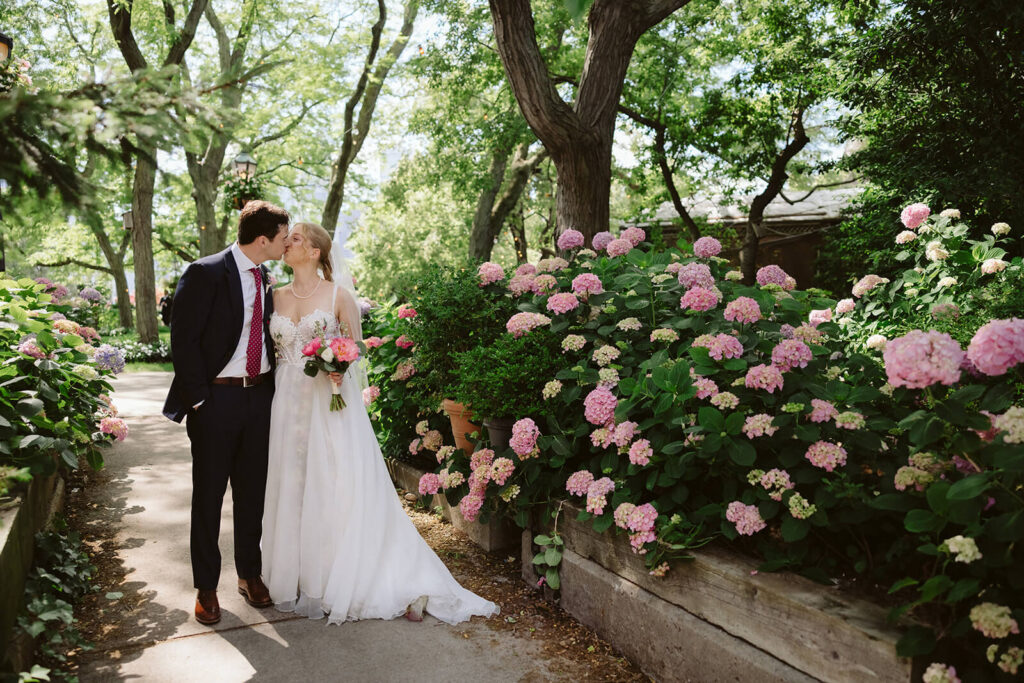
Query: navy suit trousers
{"x": 230, "y": 434}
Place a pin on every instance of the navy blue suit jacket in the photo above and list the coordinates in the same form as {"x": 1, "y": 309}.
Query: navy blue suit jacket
{"x": 206, "y": 323}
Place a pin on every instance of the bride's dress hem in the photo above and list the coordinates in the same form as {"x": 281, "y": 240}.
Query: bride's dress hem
{"x": 312, "y": 608}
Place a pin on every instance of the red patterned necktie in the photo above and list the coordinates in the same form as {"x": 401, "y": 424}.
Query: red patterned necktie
{"x": 254, "y": 351}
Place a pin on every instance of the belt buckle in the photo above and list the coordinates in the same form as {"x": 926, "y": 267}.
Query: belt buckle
{"x": 249, "y": 381}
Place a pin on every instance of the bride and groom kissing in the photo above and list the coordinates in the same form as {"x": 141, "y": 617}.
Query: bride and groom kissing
{"x": 318, "y": 527}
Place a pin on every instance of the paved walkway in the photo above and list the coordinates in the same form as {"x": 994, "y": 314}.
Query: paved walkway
{"x": 147, "y": 487}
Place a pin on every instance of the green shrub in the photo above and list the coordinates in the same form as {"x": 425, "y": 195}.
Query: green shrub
{"x": 53, "y": 403}
{"x": 453, "y": 314}
{"x": 506, "y": 377}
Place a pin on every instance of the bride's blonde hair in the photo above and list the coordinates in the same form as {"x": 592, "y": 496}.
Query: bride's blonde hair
{"x": 322, "y": 241}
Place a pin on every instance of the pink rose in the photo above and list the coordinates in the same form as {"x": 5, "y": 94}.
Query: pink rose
{"x": 312, "y": 347}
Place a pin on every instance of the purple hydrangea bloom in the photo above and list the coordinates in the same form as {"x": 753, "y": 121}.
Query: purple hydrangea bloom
{"x": 109, "y": 358}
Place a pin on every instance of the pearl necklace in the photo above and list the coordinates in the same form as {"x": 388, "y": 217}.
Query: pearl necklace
{"x": 296, "y": 295}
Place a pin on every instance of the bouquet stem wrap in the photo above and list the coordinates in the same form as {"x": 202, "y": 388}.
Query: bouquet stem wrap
{"x": 337, "y": 402}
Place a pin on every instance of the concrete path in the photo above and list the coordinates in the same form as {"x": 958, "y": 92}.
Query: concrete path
{"x": 147, "y": 489}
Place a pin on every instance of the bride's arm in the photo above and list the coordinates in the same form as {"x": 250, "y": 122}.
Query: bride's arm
{"x": 346, "y": 309}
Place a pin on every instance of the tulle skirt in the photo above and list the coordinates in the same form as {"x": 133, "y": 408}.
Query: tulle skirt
{"x": 336, "y": 540}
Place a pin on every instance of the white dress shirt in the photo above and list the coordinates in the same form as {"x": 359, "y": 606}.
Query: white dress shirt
{"x": 236, "y": 366}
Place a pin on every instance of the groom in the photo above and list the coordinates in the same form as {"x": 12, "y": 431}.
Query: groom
{"x": 223, "y": 386}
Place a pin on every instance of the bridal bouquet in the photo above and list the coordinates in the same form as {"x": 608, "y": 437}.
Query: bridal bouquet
{"x": 334, "y": 355}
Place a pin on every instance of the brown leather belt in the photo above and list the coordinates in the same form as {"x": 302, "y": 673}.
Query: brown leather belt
{"x": 242, "y": 381}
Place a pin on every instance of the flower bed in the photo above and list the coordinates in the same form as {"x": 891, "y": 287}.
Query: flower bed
{"x": 497, "y": 534}
{"x": 54, "y": 413}
{"x": 54, "y": 407}
{"x": 690, "y": 406}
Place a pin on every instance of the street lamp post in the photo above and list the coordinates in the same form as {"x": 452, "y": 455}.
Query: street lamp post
{"x": 6, "y": 47}
{"x": 245, "y": 165}
{"x": 245, "y": 168}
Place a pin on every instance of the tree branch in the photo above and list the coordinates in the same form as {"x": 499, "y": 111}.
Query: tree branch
{"x": 622, "y": 108}
{"x": 670, "y": 184}
{"x": 176, "y": 250}
{"x": 74, "y": 262}
{"x": 546, "y": 112}
{"x": 380, "y": 74}
{"x": 817, "y": 187}
{"x": 292, "y": 125}
{"x": 188, "y": 32}
{"x": 522, "y": 168}
{"x": 121, "y": 26}
{"x": 223, "y": 42}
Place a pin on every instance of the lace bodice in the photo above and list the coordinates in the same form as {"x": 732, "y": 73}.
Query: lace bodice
{"x": 290, "y": 337}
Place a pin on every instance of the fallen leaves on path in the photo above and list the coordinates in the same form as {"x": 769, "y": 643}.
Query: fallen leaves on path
{"x": 96, "y": 503}
{"x": 574, "y": 651}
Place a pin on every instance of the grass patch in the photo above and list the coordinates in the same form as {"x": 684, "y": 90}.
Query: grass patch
{"x": 149, "y": 367}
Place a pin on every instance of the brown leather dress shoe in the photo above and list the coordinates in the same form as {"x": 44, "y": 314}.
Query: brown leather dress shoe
{"x": 207, "y": 607}
{"x": 255, "y": 592}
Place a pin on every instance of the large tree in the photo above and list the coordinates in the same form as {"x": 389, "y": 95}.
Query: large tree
{"x": 934, "y": 91}
{"x": 356, "y": 126}
{"x": 732, "y": 95}
{"x": 578, "y": 136}
{"x": 478, "y": 136}
{"x": 180, "y": 38}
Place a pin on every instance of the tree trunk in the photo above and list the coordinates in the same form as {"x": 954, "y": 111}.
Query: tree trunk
{"x": 490, "y": 215}
{"x": 115, "y": 265}
{"x": 776, "y": 181}
{"x": 584, "y": 185}
{"x": 365, "y": 97}
{"x": 124, "y": 304}
{"x": 142, "y": 246}
{"x": 205, "y": 172}
{"x": 204, "y": 192}
{"x": 579, "y": 138}
{"x": 120, "y": 14}
{"x": 481, "y": 237}
{"x": 518, "y": 229}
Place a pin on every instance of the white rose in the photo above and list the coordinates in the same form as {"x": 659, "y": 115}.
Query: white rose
{"x": 327, "y": 354}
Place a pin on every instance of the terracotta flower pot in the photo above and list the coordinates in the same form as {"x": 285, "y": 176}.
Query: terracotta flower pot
{"x": 462, "y": 424}
{"x": 500, "y": 431}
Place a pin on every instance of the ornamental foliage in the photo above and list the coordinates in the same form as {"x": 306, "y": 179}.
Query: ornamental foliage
{"x": 765, "y": 417}
{"x": 54, "y": 403}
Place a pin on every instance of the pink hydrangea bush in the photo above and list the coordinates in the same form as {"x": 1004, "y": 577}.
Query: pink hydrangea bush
{"x": 845, "y": 441}
{"x": 706, "y": 247}
{"x": 570, "y": 239}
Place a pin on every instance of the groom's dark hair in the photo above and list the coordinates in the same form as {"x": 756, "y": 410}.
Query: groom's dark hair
{"x": 260, "y": 218}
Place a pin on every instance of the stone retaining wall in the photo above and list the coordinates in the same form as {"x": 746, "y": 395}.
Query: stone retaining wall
{"x": 19, "y": 523}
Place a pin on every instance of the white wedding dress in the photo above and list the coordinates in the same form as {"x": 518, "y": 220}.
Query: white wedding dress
{"x": 336, "y": 540}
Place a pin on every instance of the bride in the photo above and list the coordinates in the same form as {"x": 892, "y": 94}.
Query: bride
{"x": 336, "y": 540}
